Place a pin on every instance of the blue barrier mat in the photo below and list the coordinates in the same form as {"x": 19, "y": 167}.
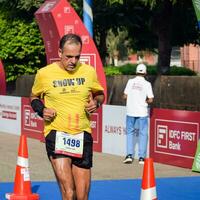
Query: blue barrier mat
{"x": 181, "y": 188}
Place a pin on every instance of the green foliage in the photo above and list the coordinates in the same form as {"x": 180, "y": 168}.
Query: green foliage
{"x": 110, "y": 71}
{"x": 181, "y": 71}
{"x": 78, "y": 6}
{"x": 117, "y": 45}
{"x": 21, "y": 4}
{"x": 23, "y": 9}
{"x": 22, "y": 49}
{"x": 29, "y": 4}
{"x": 115, "y": 1}
{"x": 153, "y": 3}
{"x": 129, "y": 69}
{"x": 152, "y": 24}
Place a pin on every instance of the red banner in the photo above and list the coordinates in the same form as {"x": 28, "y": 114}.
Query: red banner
{"x": 96, "y": 126}
{"x": 174, "y": 136}
{"x": 2, "y": 80}
{"x": 32, "y": 124}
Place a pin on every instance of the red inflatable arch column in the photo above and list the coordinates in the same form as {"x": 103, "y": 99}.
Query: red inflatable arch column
{"x": 2, "y": 80}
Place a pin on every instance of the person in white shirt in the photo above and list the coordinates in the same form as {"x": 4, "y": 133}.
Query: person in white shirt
{"x": 138, "y": 94}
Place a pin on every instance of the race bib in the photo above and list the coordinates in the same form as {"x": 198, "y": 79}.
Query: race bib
{"x": 69, "y": 144}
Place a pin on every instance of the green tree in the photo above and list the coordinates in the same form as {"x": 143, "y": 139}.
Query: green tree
{"x": 160, "y": 25}
{"x": 174, "y": 23}
{"x": 20, "y": 8}
{"x": 22, "y": 49}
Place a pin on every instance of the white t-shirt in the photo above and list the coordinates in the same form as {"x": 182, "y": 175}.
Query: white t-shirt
{"x": 138, "y": 90}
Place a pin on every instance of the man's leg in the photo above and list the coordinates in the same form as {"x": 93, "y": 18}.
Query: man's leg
{"x": 129, "y": 134}
{"x": 82, "y": 178}
{"x": 63, "y": 172}
{"x": 81, "y": 169}
{"x": 135, "y": 134}
{"x": 143, "y": 136}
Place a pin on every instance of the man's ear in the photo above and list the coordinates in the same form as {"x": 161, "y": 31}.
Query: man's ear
{"x": 59, "y": 53}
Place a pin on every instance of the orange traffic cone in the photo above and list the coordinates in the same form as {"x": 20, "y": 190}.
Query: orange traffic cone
{"x": 148, "y": 191}
{"x": 22, "y": 184}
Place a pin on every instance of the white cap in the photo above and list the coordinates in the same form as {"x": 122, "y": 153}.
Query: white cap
{"x": 141, "y": 69}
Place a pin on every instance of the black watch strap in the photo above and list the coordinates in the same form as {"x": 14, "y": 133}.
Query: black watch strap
{"x": 98, "y": 104}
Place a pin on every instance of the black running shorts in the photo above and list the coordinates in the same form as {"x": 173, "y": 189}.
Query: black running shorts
{"x": 84, "y": 162}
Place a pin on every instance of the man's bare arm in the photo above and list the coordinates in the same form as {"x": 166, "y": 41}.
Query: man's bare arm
{"x": 124, "y": 96}
{"x": 94, "y": 101}
{"x": 149, "y": 100}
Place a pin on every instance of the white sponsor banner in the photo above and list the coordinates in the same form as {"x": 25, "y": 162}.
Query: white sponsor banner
{"x": 114, "y": 132}
{"x": 10, "y": 114}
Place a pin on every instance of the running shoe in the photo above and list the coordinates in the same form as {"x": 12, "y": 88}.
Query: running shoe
{"x": 141, "y": 160}
{"x": 128, "y": 159}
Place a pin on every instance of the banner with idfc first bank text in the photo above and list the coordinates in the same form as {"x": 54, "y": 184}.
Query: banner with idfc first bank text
{"x": 174, "y": 136}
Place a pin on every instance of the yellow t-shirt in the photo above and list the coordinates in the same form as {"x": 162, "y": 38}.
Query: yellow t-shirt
{"x": 67, "y": 93}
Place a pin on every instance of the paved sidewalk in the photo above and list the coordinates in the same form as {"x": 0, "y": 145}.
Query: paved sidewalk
{"x": 106, "y": 166}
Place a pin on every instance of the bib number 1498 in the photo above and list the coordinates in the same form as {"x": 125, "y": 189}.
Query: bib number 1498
{"x": 69, "y": 144}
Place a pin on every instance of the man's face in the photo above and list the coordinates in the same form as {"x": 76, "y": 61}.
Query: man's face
{"x": 70, "y": 55}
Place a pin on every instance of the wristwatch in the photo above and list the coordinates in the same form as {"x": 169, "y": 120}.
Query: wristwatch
{"x": 98, "y": 104}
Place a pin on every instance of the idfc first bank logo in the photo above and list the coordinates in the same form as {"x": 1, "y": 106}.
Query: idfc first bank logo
{"x": 176, "y": 137}
{"x": 31, "y": 121}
